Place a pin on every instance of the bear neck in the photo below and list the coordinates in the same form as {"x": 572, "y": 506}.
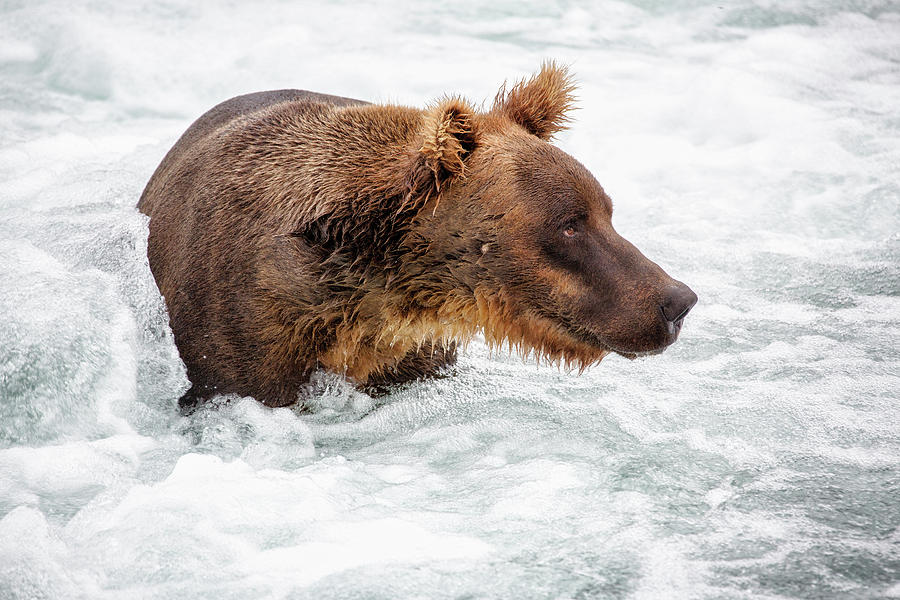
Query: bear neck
{"x": 379, "y": 293}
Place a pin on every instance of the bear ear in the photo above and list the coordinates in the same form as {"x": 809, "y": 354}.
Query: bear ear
{"x": 449, "y": 135}
{"x": 541, "y": 103}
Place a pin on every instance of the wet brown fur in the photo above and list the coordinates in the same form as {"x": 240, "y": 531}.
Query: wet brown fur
{"x": 292, "y": 231}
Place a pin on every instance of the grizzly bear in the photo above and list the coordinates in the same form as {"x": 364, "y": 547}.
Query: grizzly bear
{"x": 292, "y": 231}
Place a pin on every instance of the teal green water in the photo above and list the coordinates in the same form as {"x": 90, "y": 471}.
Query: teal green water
{"x": 751, "y": 148}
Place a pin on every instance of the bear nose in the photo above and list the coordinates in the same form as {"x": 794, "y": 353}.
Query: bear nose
{"x": 678, "y": 300}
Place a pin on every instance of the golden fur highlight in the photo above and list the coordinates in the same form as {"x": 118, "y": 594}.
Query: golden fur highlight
{"x": 448, "y": 136}
{"x": 540, "y": 104}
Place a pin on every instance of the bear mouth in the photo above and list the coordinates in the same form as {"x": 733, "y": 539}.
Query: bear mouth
{"x": 585, "y": 336}
{"x": 634, "y": 355}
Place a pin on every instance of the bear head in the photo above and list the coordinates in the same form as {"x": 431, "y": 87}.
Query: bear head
{"x": 516, "y": 238}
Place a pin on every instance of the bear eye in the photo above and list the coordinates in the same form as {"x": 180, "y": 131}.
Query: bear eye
{"x": 571, "y": 228}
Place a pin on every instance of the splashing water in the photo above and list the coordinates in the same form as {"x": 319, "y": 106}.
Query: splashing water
{"x": 751, "y": 148}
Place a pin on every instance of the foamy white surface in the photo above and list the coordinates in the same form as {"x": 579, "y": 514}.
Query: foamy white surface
{"x": 752, "y": 149}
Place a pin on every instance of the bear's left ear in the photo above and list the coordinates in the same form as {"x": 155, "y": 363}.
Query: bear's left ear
{"x": 540, "y": 104}
{"x": 449, "y": 135}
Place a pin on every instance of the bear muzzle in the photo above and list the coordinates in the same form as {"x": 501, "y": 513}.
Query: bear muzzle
{"x": 650, "y": 330}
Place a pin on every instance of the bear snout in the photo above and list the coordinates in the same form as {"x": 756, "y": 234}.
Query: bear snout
{"x": 677, "y": 302}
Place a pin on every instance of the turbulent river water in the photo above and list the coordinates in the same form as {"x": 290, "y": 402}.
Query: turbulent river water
{"x": 751, "y": 148}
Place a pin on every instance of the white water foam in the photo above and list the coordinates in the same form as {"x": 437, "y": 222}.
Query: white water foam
{"x": 751, "y": 148}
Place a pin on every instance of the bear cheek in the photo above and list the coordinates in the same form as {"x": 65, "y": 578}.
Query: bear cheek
{"x": 512, "y": 261}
